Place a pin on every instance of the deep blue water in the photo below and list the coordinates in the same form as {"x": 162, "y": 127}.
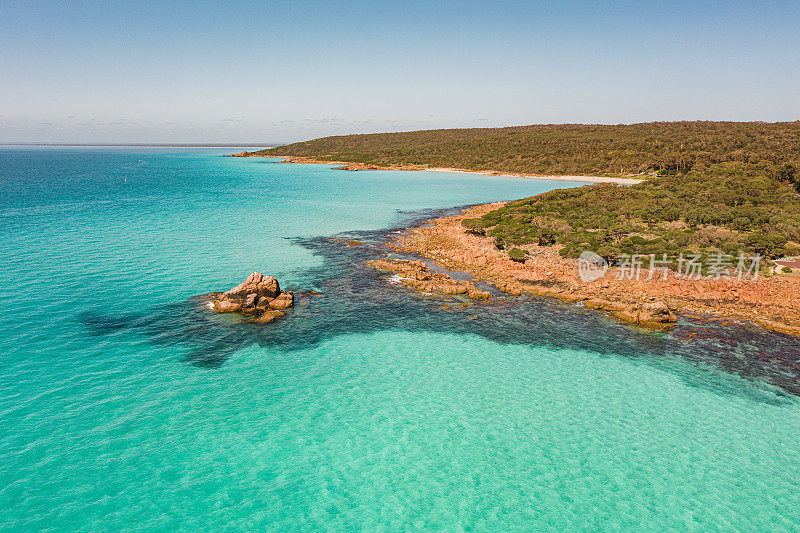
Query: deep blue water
{"x": 125, "y": 405}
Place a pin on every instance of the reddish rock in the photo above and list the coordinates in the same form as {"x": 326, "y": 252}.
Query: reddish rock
{"x": 477, "y": 294}
{"x": 263, "y": 302}
{"x": 255, "y": 283}
{"x": 417, "y": 275}
{"x": 259, "y": 295}
{"x": 269, "y": 315}
{"x": 656, "y": 312}
{"x": 224, "y": 306}
{"x": 285, "y": 300}
{"x": 249, "y": 301}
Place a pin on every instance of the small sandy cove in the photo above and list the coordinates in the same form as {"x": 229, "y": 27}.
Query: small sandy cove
{"x": 587, "y": 179}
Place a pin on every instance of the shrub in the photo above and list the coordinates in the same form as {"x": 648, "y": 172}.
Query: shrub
{"x": 546, "y": 237}
{"x": 516, "y": 255}
{"x": 476, "y": 226}
{"x": 718, "y": 208}
{"x": 788, "y": 172}
{"x": 770, "y": 246}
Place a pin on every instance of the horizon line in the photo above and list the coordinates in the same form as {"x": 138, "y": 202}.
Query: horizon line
{"x": 146, "y": 145}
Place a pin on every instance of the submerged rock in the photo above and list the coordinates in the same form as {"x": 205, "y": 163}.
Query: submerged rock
{"x": 259, "y": 296}
{"x": 269, "y": 316}
{"x": 417, "y": 275}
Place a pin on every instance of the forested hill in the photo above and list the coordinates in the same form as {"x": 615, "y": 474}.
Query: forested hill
{"x": 566, "y": 149}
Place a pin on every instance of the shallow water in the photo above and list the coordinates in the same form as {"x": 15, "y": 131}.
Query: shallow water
{"x": 126, "y": 405}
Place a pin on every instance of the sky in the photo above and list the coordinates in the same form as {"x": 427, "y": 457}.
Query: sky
{"x": 272, "y": 72}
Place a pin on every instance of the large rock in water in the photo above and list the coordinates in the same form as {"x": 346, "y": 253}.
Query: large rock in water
{"x": 256, "y": 283}
{"x": 259, "y": 295}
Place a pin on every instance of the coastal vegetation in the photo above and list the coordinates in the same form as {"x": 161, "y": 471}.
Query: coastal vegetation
{"x": 648, "y": 148}
{"x": 726, "y": 208}
{"x": 517, "y": 255}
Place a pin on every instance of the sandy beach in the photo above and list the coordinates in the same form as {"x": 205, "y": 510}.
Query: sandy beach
{"x": 587, "y": 179}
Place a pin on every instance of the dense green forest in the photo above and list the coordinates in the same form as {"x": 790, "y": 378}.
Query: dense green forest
{"x": 566, "y": 149}
{"x": 712, "y": 187}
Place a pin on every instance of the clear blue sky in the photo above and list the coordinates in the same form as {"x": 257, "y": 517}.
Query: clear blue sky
{"x": 153, "y": 71}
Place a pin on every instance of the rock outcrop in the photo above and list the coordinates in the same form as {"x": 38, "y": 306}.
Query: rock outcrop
{"x": 257, "y": 284}
{"x": 417, "y": 275}
{"x": 654, "y": 315}
{"x": 259, "y": 296}
{"x": 284, "y": 300}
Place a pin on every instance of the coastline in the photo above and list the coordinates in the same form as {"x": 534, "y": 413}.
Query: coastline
{"x": 587, "y": 179}
{"x": 349, "y": 165}
{"x": 772, "y": 303}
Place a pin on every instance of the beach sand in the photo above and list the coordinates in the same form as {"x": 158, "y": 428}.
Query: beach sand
{"x": 587, "y": 179}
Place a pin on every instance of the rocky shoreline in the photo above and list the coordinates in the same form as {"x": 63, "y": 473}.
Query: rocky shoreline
{"x": 770, "y": 302}
{"x": 418, "y": 275}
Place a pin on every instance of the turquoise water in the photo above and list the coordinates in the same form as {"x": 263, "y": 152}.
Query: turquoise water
{"x": 124, "y": 406}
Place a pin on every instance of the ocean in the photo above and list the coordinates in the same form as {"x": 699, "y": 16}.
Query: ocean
{"x": 124, "y": 405}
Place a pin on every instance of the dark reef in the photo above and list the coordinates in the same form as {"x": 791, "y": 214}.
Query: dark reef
{"x": 350, "y": 297}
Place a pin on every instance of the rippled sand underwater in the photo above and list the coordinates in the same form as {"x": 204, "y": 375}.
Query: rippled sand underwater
{"x": 126, "y": 405}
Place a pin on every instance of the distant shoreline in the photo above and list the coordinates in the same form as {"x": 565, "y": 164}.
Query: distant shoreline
{"x": 349, "y": 165}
